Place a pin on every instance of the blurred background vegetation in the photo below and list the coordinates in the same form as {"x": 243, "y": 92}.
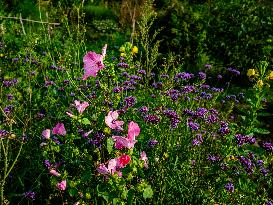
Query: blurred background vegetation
{"x": 223, "y": 33}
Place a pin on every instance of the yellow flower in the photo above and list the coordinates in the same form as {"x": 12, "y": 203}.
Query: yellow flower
{"x": 135, "y": 50}
{"x": 270, "y": 75}
{"x": 122, "y": 49}
{"x": 260, "y": 83}
{"x": 1, "y": 55}
{"x": 250, "y": 72}
{"x": 122, "y": 54}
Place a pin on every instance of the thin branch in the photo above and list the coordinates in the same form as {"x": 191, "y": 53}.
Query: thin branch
{"x": 10, "y": 17}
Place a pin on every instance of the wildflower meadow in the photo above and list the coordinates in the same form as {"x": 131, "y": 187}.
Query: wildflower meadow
{"x": 116, "y": 120}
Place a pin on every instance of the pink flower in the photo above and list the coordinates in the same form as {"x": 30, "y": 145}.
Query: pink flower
{"x": 61, "y": 185}
{"x": 129, "y": 141}
{"x": 122, "y": 142}
{"x": 59, "y": 129}
{"x": 46, "y": 134}
{"x": 144, "y": 157}
{"x": 92, "y": 64}
{"x": 81, "y": 106}
{"x": 133, "y": 130}
{"x": 111, "y": 120}
{"x": 112, "y": 165}
{"x": 54, "y": 173}
{"x": 102, "y": 169}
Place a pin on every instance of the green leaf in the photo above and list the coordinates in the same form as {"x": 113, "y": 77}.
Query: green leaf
{"x": 85, "y": 121}
{"x": 110, "y": 144}
{"x": 148, "y": 192}
{"x": 130, "y": 197}
{"x": 264, "y": 114}
{"x": 72, "y": 191}
{"x": 261, "y": 131}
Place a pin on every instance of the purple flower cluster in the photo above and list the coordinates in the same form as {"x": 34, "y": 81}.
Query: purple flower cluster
{"x": 117, "y": 89}
{"x": 213, "y": 158}
{"x": 233, "y": 71}
{"x": 3, "y": 133}
{"x": 135, "y": 77}
{"x": 202, "y": 75}
{"x": 200, "y": 112}
{"x": 97, "y": 139}
{"x": 198, "y": 140}
{"x": 30, "y": 195}
{"x": 188, "y": 89}
{"x": 193, "y": 125}
{"x": 217, "y": 90}
{"x": 152, "y": 143}
{"x": 130, "y": 101}
{"x": 142, "y": 72}
{"x": 173, "y": 117}
{"x": 122, "y": 65}
{"x": 9, "y": 83}
{"x": 183, "y": 76}
{"x": 247, "y": 164}
{"x": 143, "y": 109}
{"x": 267, "y": 146}
{"x": 8, "y": 109}
{"x": 154, "y": 119}
{"x": 242, "y": 139}
{"x": 229, "y": 187}
{"x": 157, "y": 85}
{"x": 224, "y": 129}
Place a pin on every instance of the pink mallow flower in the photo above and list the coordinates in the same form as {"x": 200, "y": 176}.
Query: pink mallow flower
{"x": 144, "y": 157}
{"x": 81, "y": 106}
{"x": 93, "y": 62}
{"x": 114, "y": 165}
{"x": 129, "y": 141}
{"x": 46, "y": 134}
{"x": 111, "y": 120}
{"x": 61, "y": 185}
{"x": 59, "y": 129}
{"x": 54, "y": 173}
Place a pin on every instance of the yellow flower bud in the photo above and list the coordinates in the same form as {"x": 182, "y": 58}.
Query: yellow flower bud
{"x": 122, "y": 54}
{"x": 122, "y": 49}
{"x": 260, "y": 83}
{"x": 270, "y": 77}
{"x": 250, "y": 72}
{"x": 1, "y": 55}
{"x": 135, "y": 50}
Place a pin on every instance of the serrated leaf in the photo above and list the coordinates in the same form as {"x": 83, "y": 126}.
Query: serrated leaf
{"x": 110, "y": 143}
{"x": 261, "y": 131}
{"x": 85, "y": 121}
{"x": 148, "y": 192}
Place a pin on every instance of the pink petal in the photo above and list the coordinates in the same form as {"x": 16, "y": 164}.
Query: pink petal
{"x": 81, "y": 106}
{"x": 102, "y": 169}
{"x": 122, "y": 142}
{"x": 46, "y": 134}
{"x": 61, "y": 185}
{"x": 59, "y": 129}
{"x": 54, "y": 173}
{"x": 112, "y": 165}
{"x": 133, "y": 130}
{"x": 111, "y": 120}
{"x": 92, "y": 64}
{"x": 144, "y": 157}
